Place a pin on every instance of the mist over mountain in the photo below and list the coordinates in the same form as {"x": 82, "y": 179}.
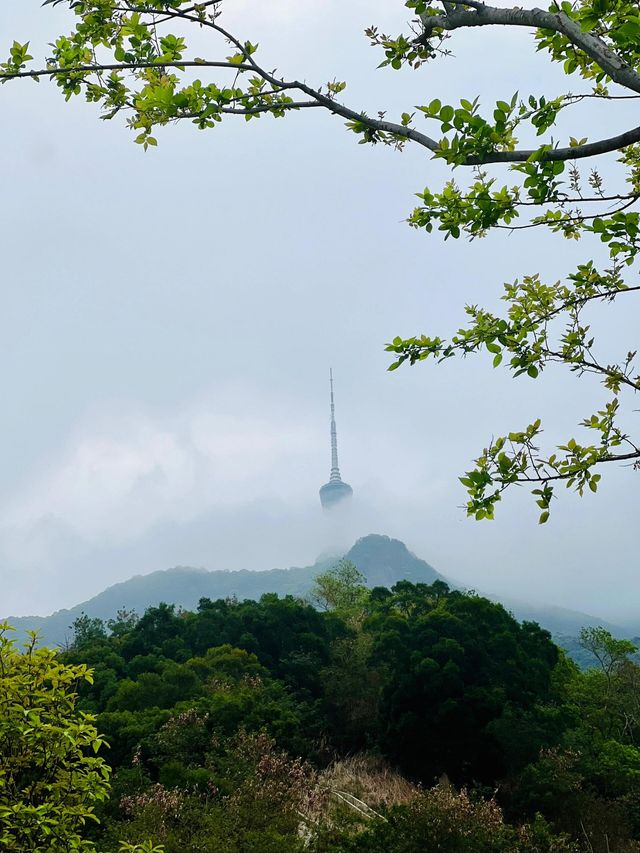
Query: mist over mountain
{"x": 383, "y": 560}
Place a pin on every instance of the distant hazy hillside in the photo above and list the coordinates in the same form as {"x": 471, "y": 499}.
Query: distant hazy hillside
{"x": 382, "y": 560}
{"x": 558, "y": 620}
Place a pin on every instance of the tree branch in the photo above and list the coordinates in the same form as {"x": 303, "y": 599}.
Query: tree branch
{"x": 592, "y": 149}
{"x": 543, "y": 478}
{"x": 323, "y": 100}
{"x": 265, "y": 108}
{"x": 578, "y": 152}
{"x": 559, "y": 22}
{"x": 454, "y": 18}
{"x": 122, "y": 66}
{"x": 569, "y": 218}
{"x": 582, "y": 301}
{"x": 585, "y": 366}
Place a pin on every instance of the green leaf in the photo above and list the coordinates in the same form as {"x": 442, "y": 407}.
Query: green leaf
{"x": 446, "y": 113}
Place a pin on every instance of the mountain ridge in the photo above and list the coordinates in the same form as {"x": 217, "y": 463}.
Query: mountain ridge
{"x": 382, "y": 560}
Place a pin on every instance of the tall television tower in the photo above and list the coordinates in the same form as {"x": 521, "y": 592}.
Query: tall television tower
{"x": 335, "y": 490}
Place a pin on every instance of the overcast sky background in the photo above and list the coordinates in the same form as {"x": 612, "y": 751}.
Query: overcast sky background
{"x": 167, "y": 321}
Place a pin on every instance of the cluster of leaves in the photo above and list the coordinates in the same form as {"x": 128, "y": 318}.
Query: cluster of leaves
{"x": 543, "y": 325}
{"x": 52, "y": 781}
{"x": 524, "y": 334}
{"x": 121, "y": 57}
{"x": 616, "y": 23}
{"x": 258, "y": 807}
{"x": 44, "y": 743}
{"x": 596, "y": 760}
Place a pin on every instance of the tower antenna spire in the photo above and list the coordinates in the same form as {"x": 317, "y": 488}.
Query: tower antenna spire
{"x": 335, "y": 468}
{"x": 336, "y": 489}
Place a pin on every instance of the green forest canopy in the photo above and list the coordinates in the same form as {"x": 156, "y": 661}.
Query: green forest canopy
{"x": 227, "y": 724}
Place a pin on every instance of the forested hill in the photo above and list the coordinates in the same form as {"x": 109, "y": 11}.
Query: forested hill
{"x": 382, "y": 560}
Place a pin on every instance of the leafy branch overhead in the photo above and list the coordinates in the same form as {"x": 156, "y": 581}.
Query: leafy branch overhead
{"x": 133, "y": 59}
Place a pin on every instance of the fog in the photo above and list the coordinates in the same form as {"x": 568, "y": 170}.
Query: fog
{"x": 169, "y": 319}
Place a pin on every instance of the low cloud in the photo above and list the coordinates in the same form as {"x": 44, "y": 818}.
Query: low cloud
{"x": 135, "y": 491}
{"x": 122, "y": 475}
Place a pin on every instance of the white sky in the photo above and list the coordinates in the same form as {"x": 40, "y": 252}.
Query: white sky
{"x": 168, "y": 319}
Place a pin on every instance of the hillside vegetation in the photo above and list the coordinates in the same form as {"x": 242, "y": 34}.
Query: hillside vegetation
{"x": 416, "y": 718}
